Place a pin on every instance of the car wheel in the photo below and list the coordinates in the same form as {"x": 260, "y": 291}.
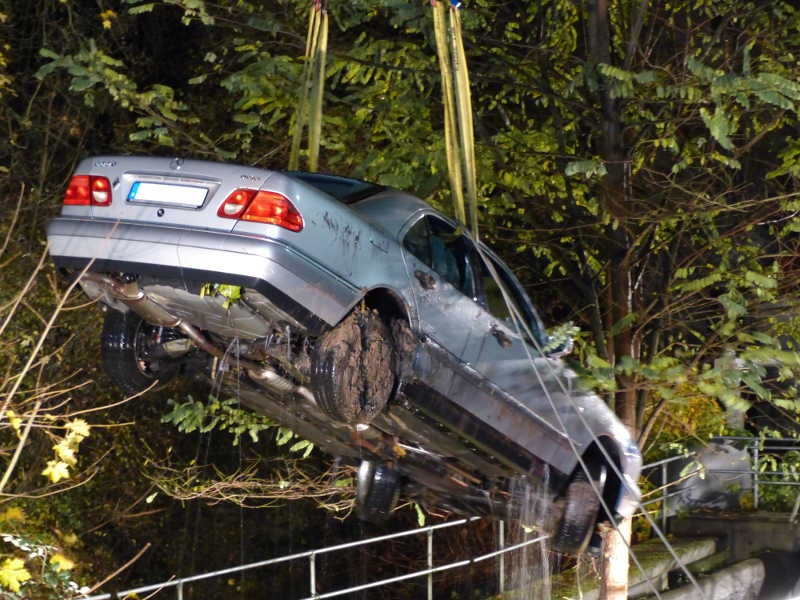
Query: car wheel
{"x": 352, "y": 368}
{"x": 377, "y": 489}
{"x": 581, "y": 507}
{"x": 132, "y": 354}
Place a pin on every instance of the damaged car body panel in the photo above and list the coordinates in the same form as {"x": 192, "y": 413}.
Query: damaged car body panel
{"x": 368, "y": 323}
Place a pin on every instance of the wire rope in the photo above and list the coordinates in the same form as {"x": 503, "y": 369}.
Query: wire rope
{"x": 521, "y": 325}
{"x": 456, "y": 91}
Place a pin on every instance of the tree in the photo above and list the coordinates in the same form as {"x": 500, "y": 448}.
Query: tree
{"x": 637, "y": 162}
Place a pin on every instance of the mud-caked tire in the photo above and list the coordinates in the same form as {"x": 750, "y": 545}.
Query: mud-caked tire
{"x": 581, "y": 509}
{"x": 377, "y": 490}
{"x": 353, "y": 368}
{"x": 126, "y": 349}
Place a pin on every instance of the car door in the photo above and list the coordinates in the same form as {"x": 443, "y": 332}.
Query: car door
{"x": 513, "y": 358}
{"x": 492, "y": 381}
{"x": 440, "y": 262}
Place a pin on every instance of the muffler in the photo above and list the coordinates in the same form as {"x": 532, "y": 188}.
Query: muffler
{"x": 129, "y": 293}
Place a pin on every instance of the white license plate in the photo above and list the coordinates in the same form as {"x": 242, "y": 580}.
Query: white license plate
{"x": 165, "y": 193}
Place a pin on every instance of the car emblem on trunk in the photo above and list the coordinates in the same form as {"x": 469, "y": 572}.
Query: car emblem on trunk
{"x": 105, "y": 164}
{"x": 176, "y": 164}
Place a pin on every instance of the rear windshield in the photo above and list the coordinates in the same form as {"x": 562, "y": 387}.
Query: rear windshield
{"x": 344, "y": 189}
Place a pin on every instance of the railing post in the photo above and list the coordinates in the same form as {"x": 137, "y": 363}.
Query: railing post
{"x": 501, "y": 545}
{"x": 755, "y": 474}
{"x": 664, "y": 497}
{"x": 430, "y": 563}
{"x": 179, "y": 588}
{"x": 312, "y": 573}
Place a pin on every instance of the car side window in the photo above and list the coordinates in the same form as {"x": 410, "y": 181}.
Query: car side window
{"x": 496, "y": 304}
{"x": 445, "y": 250}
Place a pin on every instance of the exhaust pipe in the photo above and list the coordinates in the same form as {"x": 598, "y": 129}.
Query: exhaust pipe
{"x": 130, "y": 294}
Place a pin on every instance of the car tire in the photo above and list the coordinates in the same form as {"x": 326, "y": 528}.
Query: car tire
{"x": 377, "y": 489}
{"x": 581, "y": 507}
{"x": 125, "y": 347}
{"x": 352, "y": 368}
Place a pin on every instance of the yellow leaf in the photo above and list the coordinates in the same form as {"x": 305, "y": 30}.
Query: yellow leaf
{"x": 13, "y": 420}
{"x": 56, "y": 470}
{"x": 69, "y": 539}
{"x": 61, "y": 562}
{"x": 79, "y": 427}
{"x": 13, "y": 573}
{"x": 65, "y": 453}
{"x": 13, "y": 514}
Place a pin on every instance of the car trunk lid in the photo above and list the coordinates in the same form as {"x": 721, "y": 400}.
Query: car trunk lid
{"x": 169, "y": 191}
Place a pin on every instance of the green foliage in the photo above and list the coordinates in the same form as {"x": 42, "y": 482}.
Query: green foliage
{"x": 30, "y": 567}
{"x": 781, "y": 468}
{"x": 227, "y": 415}
{"x": 693, "y": 204}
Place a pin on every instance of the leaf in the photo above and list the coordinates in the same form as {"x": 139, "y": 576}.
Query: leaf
{"x": 420, "y": 514}
{"x": 142, "y": 8}
{"x": 61, "y": 562}
{"x": 56, "y": 470}
{"x": 14, "y": 420}
{"x": 283, "y": 436}
{"x": 623, "y": 324}
{"x": 13, "y": 514}
{"x": 760, "y": 280}
{"x": 79, "y": 427}
{"x": 719, "y": 126}
{"x": 13, "y": 573}
{"x": 296, "y": 447}
{"x": 587, "y": 168}
{"x": 65, "y": 452}
{"x": 775, "y": 98}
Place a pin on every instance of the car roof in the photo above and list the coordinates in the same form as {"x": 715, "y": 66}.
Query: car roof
{"x": 385, "y": 207}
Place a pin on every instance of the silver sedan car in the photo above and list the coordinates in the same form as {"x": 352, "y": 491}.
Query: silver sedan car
{"x": 365, "y": 320}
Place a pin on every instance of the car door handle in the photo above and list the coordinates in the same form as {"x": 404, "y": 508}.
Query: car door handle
{"x": 426, "y": 280}
{"x": 501, "y": 337}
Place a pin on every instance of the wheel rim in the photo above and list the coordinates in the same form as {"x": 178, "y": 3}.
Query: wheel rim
{"x": 145, "y": 339}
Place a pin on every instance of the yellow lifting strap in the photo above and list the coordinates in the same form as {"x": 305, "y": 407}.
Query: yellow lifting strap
{"x": 312, "y": 88}
{"x": 457, "y": 100}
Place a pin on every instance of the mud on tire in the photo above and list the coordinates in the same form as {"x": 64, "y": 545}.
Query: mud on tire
{"x": 352, "y": 368}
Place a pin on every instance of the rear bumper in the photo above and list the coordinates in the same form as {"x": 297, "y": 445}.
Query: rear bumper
{"x": 305, "y": 290}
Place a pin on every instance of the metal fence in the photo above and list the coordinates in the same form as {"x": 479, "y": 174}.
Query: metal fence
{"x": 662, "y": 494}
{"x": 311, "y": 555}
{"x": 757, "y": 448}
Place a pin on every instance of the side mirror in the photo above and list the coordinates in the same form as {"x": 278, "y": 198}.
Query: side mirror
{"x": 560, "y": 340}
{"x": 562, "y": 349}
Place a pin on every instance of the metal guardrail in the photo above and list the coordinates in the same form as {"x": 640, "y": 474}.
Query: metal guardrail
{"x": 311, "y": 555}
{"x": 755, "y": 446}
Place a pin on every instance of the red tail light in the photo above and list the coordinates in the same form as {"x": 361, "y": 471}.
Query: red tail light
{"x": 101, "y": 191}
{"x": 88, "y": 190}
{"x": 261, "y": 207}
{"x": 234, "y": 205}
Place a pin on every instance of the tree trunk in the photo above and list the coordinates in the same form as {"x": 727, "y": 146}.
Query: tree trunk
{"x": 614, "y": 566}
{"x": 614, "y": 574}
